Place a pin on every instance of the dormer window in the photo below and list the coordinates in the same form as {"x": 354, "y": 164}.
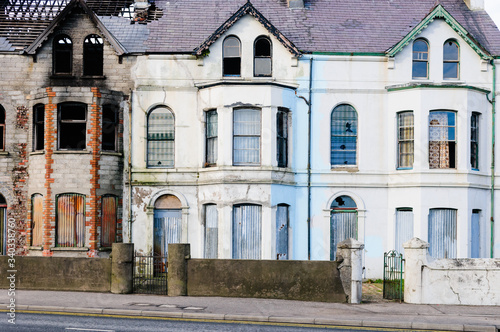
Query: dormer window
{"x": 232, "y": 57}
{"x": 262, "y": 57}
{"x": 62, "y": 55}
{"x": 420, "y": 59}
{"x": 93, "y": 52}
{"x": 451, "y": 60}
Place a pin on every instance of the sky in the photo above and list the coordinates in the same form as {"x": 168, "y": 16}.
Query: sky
{"x": 493, "y": 9}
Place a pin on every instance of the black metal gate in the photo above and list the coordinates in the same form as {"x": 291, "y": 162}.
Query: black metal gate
{"x": 393, "y": 276}
{"x": 150, "y": 275}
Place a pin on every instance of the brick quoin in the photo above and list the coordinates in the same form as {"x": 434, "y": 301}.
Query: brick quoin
{"x": 95, "y": 146}
{"x": 48, "y": 208}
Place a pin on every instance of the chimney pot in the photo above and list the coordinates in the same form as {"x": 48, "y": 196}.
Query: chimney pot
{"x": 295, "y": 4}
{"x": 475, "y": 4}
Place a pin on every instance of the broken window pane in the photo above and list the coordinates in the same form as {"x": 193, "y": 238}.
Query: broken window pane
{"x": 109, "y": 127}
{"x": 344, "y": 134}
{"x": 232, "y": 57}
{"x": 62, "y": 55}
{"x": 93, "y": 52}
{"x": 38, "y": 127}
{"x": 262, "y": 57}
{"x": 72, "y": 126}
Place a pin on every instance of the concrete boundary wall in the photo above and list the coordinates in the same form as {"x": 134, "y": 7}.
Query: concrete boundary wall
{"x": 467, "y": 281}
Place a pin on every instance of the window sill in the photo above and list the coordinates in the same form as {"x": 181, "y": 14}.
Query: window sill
{"x": 97, "y": 77}
{"x": 111, "y": 153}
{"x": 71, "y": 152}
{"x": 62, "y": 76}
{"x": 345, "y": 168}
{"x": 69, "y": 249}
{"x": 35, "y": 248}
{"x": 4, "y": 153}
{"x": 404, "y": 168}
{"x": 104, "y": 249}
{"x": 37, "y": 153}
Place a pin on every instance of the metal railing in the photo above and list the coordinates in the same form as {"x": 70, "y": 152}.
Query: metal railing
{"x": 150, "y": 275}
{"x": 393, "y": 276}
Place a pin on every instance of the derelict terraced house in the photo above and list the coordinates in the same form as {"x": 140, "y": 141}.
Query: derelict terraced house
{"x": 264, "y": 129}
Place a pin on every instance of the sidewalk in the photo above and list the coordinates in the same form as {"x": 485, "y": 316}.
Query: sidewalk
{"x": 372, "y": 314}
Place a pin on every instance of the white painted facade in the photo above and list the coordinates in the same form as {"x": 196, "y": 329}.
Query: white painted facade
{"x": 377, "y": 86}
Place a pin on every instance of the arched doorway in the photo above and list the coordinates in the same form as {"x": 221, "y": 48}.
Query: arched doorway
{"x": 167, "y": 223}
{"x": 343, "y": 222}
{"x": 3, "y": 224}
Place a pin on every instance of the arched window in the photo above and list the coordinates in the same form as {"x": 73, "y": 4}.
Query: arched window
{"x": 232, "y": 57}
{"x": 161, "y": 132}
{"x": 344, "y": 135}
{"x": 451, "y": 60}
{"x": 109, "y": 128}
{"x": 262, "y": 57}
{"x": 62, "y": 55}
{"x": 420, "y": 59}
{"x": 38, "y": 127}
{"x": 343, "y": 222}
{"x": 93, "y": 52}
{"x": 2, "y": 128}
{"x": 70, "y": 220}
{"x": 36, "y": 220}
{"x": 3, "y": 224}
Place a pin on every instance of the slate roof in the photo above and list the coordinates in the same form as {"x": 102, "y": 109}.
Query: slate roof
{"x": 352, "y": 26}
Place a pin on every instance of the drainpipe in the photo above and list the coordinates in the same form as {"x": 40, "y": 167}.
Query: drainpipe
{"x": 493, "y": 110}
{"x": 309, "y": 115}
{"x": 130, "y": 167}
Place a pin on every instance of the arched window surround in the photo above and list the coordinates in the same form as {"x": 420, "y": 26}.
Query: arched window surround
{"x": 160, "y": 137}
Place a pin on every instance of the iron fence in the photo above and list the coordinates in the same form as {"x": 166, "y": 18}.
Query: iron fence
{"x": 150, "y": 275}
{"x": 393, "y": 276}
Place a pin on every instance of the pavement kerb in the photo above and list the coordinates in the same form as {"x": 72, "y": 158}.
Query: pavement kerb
{"x": 274, "y": 319}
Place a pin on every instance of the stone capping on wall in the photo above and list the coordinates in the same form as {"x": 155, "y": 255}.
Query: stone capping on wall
{"x": 466, "y": 281}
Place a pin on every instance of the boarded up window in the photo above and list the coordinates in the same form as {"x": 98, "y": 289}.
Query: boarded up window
{"x": 161, "y": 135}
{"x": 211, "y": 231}
{"x": 70, "y": 220}
{"x": 475, "y": 234}
{"x": 109, "y": 209}
{"x": 3, "y": 223}
{"x": 38, "y": 127}
{"x": 2, "y": 128}
{"x": 93, "y": 51}
{"x": 282, "y": 232}
{"x": 343, "y": 223}
{"x": 247, "y": 232}
{"x": 404, "y": 227}
{"x": 109, "y": 128}
{"x": 37, "y": 220}
{"x": 443, "y": 233}
{"x": 72, "y": 126}
{"x": 62, "y": 56}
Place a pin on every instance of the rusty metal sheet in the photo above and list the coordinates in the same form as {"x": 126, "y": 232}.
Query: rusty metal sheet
{"x": 108, "y": 220}
{"x": 3, "y": 234}
{"x": 37, "y": 221}
{"x": 71, "y": 220}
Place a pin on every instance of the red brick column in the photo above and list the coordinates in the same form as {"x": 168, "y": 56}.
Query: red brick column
{"x": 95, "y": 148}
{"x": 50, "y": 139}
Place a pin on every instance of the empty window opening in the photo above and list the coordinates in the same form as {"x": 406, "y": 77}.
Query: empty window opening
{"x": 109, "y": 128}
{"x": 93, "y": 51}
{"x": 231, "y": 57}
{"x": 405, "y": 140}
{"x": 72, "y": 126}
{"x": 451, "y": 62}
{"x": 344, "y": 132}
{"x": 38, "y": 127}
{"x": 442, "y": 136}
{"x": 70, "y": 220}
{"x": 161, "y": 136}
{"x": 262, "y": 57}
{"x": 211, "y": 136}
{"x": 420, "y": 59}
{"x": 62, "y": 55}
{"x": 2, "y": 128}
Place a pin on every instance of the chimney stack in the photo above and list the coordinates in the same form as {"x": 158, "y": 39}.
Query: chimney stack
{"x": 475, "y": 4}
{"x": 295, "y": 4}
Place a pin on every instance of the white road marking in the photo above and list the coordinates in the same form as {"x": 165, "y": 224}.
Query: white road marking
{"x": 94, "y": 330}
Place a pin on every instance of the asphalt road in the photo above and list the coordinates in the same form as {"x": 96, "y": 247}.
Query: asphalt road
{"x": 29, "y": 322}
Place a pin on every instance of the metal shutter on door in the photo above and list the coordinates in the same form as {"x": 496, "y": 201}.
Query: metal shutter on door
{"x": 247, "y": 233}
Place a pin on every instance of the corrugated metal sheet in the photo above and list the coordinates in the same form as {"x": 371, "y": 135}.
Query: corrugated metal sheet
{"x": 344, "y": 225}
{"x": 167, "y": 229}
{"x": 71, "y": 220}
{"x": 2, "y": 231}
{"x": 404, "y": 227}
{"x": 108, "y": 220}
{"x": 282, "y": 232}
{"x": 37, "y": 220}
{"x": 211, "y": 231}
{"x": 475, "y": 235}
{"x": 247, "y": 232}
{"x": 443, "y": 233}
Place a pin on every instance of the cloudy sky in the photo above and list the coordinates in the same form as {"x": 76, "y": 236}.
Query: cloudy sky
{"x": 493, "y": 8}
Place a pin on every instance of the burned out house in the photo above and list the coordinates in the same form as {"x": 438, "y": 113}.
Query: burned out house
{"x": 263, "y": 129}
